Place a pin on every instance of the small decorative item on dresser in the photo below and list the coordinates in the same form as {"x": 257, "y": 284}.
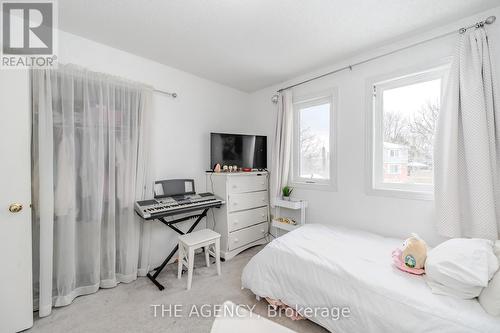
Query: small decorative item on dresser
{"x": 224, "y": 168}
{"x": 235, "y": 168}
{"x": 230, "y": 168}
{"x": 217, "y": 168}
{"x": 287, "y": 191}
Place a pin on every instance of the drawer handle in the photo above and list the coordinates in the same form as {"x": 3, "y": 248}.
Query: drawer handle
{"x": 235, "y": 203}
{"x": 263, "y": 215}
{"x": 236, "y": 240}
{"x": 263, "y": 231}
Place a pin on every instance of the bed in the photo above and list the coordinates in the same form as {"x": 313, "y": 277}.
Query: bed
{"x": 318, "y": 266}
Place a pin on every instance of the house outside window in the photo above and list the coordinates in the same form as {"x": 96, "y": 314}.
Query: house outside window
{"x": 395, "y": 162}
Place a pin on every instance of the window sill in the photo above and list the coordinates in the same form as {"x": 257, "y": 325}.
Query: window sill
{"x": 401, "y": 194}
{"x": 330, "y": 187}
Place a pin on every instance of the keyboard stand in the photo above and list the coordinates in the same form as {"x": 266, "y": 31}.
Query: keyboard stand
{"x": 171, "y": 225}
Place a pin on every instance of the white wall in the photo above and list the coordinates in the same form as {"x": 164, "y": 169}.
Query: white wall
{"x": 181, "y": 126}
{"x": 350, "y": 205}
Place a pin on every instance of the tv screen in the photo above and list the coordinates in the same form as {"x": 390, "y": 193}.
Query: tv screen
{"x": 244, "y": 151}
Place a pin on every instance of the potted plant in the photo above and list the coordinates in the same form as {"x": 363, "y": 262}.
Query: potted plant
{"x": 287, "y": 191}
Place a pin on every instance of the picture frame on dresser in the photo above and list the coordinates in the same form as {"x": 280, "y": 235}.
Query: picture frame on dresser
{"x": 244, "y": 221}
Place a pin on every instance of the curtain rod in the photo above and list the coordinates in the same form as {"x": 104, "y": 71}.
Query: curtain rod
{"x": 171, "y": 94}
{"x": 488, "y": 20}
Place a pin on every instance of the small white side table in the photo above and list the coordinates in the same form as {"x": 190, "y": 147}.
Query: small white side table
{"x": 293, "y": 205}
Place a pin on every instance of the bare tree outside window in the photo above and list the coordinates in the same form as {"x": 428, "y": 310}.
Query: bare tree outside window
{"x": 395, "y": 128}
{"x": 314, "y": 155}
{"x": 423, "y": 128}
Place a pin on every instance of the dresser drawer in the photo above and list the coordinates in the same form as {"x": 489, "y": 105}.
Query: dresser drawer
{"x": 248, "y": 235}
{"x": 242, "y": 184}
{"x": 244, "y": 201}
{"x": 246, "y": 218}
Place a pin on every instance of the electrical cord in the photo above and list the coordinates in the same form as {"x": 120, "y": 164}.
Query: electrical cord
{"x": 269, "y": 207}
{"x": 211, "y": 210}
{"x": 213, "y": 219}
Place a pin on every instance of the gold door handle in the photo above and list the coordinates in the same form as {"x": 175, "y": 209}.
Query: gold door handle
{"x": 15, "y": 208}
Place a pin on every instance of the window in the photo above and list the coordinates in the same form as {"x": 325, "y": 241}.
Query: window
{"x": 313, "y": 143}
{"x": 405, "y": 114}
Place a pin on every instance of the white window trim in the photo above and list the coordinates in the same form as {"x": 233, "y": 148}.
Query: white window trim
{"x": 372, "y": 160}
{"x": 310, "y": 100}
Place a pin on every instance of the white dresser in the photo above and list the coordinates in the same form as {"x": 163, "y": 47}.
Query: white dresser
{"x": 243, "y": 221}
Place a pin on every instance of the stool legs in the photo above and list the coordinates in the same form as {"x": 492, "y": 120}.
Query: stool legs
{"x": 207, "y": 255}
{"x": 179, "y": 261}
{"x": 190, "y": 267}
{"x": 217, "y": 255}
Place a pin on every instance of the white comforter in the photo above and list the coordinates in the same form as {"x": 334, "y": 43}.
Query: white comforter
{"x": 320, "y": 266}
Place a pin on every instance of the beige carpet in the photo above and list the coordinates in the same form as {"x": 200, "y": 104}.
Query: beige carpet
{"x": 127, "y": 308}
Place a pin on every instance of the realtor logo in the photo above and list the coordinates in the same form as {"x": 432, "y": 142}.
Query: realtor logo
{"x": 28, "y": 34}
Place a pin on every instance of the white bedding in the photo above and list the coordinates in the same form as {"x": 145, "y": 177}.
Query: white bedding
{"x": 320, "y": 266}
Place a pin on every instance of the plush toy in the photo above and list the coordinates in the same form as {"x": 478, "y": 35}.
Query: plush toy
{"x": 411, "y": 258}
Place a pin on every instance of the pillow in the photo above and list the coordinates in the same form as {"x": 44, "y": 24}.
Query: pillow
{"x": 490, "y": 296}
{"x": 455, "y": 290}
{"x": 461, "y": 267}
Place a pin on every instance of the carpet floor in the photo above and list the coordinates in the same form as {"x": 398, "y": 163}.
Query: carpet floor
{"x": 130, "y": 307}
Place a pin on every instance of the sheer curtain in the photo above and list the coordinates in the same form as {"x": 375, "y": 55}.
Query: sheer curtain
{"x": 282, "y": 145}
{"x": 467, "y": 147}
{"x": 90, "y": 163}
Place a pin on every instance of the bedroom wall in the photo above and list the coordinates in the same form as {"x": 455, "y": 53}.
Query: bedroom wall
{"x": 350, "y": 205}
{"x": 181, "y": 126}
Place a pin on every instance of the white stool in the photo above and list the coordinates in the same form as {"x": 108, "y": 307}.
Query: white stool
{"x": 188, "y": 243}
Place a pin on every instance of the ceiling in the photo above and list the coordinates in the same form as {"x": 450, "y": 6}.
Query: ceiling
{"x": 253, "y": 44}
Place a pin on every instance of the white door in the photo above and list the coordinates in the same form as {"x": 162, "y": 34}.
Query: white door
{"x": 16, "y": 304}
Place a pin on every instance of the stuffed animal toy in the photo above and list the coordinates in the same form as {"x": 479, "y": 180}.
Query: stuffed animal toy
{"x": 411, "y": 258}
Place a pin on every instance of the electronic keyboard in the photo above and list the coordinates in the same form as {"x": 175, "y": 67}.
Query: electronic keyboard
{"x": 167, "y": 206}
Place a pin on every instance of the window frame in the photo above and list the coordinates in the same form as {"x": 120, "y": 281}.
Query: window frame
{"x": 301, "y": 102}
{"x": 374, "y": 129}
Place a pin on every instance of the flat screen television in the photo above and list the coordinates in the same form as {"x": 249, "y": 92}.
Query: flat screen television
{"x": 244, "y": 151}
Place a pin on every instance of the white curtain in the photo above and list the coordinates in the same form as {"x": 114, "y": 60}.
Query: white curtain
{"x": 467, "y": 144}
{"x": 282, "y": 145}
{"x": 90, "y": 163}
